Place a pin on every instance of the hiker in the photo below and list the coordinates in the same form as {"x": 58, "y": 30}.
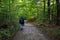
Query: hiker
{"x": 21, "y": 21}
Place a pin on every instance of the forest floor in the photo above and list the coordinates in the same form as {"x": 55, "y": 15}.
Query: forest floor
{"x": 30, "y": 32}
{"x": 52, "y": 31}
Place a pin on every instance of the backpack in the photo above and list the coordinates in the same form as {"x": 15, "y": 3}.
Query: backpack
{"x": 21, "y": 20}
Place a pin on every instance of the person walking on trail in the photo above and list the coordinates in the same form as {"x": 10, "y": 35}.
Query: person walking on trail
{"x": 21, "y": 21}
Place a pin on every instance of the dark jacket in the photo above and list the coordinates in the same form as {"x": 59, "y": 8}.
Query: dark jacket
{"x": 21, "y": 21}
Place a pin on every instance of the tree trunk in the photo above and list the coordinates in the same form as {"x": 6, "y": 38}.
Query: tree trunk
{"x": 44, "y": 6}
{"x": 53, "y": 14}
{"x": 58, "y": 12}
{"x": 49, "y": 11}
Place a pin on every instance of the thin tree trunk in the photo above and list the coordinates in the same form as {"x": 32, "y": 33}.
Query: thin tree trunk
{"x": 49, "y": 11}
{"x": 44, "y": 6}
{"x": 53, "y": 13}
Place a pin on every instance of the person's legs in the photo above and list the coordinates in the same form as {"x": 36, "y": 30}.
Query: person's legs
{"x": 21, "y": 26}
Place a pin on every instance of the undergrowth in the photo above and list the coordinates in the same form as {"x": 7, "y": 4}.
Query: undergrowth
{"x": 53, "y": 32}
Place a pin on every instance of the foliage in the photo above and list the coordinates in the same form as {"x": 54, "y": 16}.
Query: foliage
{"x": 8, "y": 16}
{"x": 52, "y": 32}
{"x": 32, "y": 10}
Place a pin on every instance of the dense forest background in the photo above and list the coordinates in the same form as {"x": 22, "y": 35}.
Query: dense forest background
{"x": 46, "y": 14}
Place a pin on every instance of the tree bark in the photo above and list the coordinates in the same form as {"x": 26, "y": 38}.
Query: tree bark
{"x": 49, "y": 11}
{"x": 58, "y": 12}
{"x": 44, "y": 6}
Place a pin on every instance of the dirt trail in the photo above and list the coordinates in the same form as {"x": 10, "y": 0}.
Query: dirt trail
{"x": 30, "y": 32}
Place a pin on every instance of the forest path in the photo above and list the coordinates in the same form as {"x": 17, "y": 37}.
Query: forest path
{"x": 30, "y": 32}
